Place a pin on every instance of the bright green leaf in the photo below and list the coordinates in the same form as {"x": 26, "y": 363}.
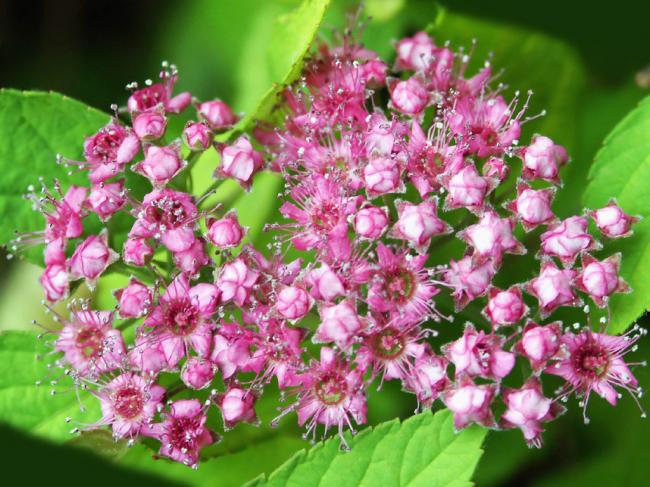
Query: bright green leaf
{"x": 622, "y": 170}
{"x": 423, "y": 450}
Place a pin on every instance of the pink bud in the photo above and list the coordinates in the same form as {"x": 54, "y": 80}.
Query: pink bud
{"x": 371, "y": 222}
{"x": 55, "y": 282}
{"x": 226, "y": 232}
{"x": 137, "y": 251}
{"x": 492, "y": 236}
{"x": 418, "y": 223}
{"x": 543, "y": 159}
{"x": 240, "y": 161}
{"x": 496, "y": 168}
{"x": 553, "y": 288}
{"x": 567, "y": 239}
{"x": 533, "y": 207}
{"x": 415, "y": 53}
{"x": 539, "y": 343}
{"x": 467, "y": 189}
{"x": 197, "y": 135}
{"x": 134, "y": 300}
{"x": 339, "y": 324}
{"x": 292, "y": 303}
{"x": 106, "y": 199}
{"x": 505, "y": 307}
{"x": 612, "y": 221}
{"x": 193, "y": 258}
{"x": 469, "y": 279}
{"x": 149, "y": 125}
{"x": 237, "y": 405}
{"x": 236, "y": 281}
{"x": 160, "y": 164}
{"x": 382, "y": 175}
{"x": 91, "y": 258}
{"x": 197, "y": 373}
{"x": 374, "y": 72}
{"x": 470, "y": 403}
{"x": 325, "y": 283}
{"x": 409, "y": 97}
{"x": 217, "y": 114}
{"x": 600, "y": 279}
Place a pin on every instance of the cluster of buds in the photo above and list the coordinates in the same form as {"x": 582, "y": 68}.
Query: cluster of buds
{"x": 369, "y": 194}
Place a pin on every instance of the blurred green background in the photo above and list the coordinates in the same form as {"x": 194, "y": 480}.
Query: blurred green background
{"x": 582, "y": 60}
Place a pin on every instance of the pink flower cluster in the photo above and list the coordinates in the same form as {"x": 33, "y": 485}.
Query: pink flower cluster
{"x": 370, "y": 196}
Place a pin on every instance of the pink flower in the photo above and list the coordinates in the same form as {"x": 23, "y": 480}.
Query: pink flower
{"x": 55, "y": 282}
{"x": 600, "y": 279}
{"x": 231, "y": 350}
{"x": 217, "y": 114}
{"x": 371, "y": 222}
{"x": 340, "y": 323}
{"x": 382, "y": 175}
{"x": 469, "y": 279}
{"x": 149, "y": 125}
{"x": 492, "y": 237}
{"x": 415, "y": 53}
{"x": 134, "y": 300}
{"x": 240, "y": 162}
{"x": 197, "y": 373}
{"x": 129, "y": 402}
{"x": 91, "y": 258}
{"x": 418, "y": 223}
{"x": 505, "y": 308}
{"x": 612, "y": 221}
{"x": 226, "y": 232}
{"x": 136, "y": 251}
{"x": 553, "y": 288}
{"x": 182, "y": 432}
{"x": 159, "y": 95}
{"x": 567, "y": 239}
{"x": 409, "y": 97}
{"x": 478, "y": 354}
{"x": 325, "y": 283}
{"x": 543, "y": 159}
{"x": 533, "y": 207}
{"x": 63, "y": 216}
{"x": 182, "y": 319}
{"x": 527, "y": 409}
{"x": 191, "y": 261}
{"x": 470, "y": 403}
{"x": 106, "y": 199}
{"x": 497, "y": 168}
{"x": 467, "y": 189}
{"x": 237, "y": 405}
{"x": 430, "y": 377}
{"x": 109, "y": 150}
{"x": 160, "y": 165}
{"x": 292, "y": 302}
{"x": 236, "y": 281}
{"x": 539, "y": 343}
{"x": 90, "y": 344}
{"x": 197, "y": 135}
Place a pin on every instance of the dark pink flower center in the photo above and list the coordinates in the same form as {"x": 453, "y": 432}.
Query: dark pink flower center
{"x": 182, "y": 433}
{"x": 128, "y": 402}
{"x": 182, "y": 317}
{"x": 90, "y": 341}
{"x": 105, "y": 145}
{"x": 591, "y": 361}
{"x": 330, "y": 389}
{"x": 326, "y": 216}
{"x": 388, "y": 344}
{"x": 399, "y": 285}
{"x": 165, "y": 212}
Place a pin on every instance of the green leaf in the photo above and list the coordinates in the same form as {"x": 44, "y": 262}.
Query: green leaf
{"x": 34, "y": 127}
{"x": 423, "y": 450}
{"x": 24, "y": 404}
{"x": 100, "y": 441}
{"x": 622, "y": 170}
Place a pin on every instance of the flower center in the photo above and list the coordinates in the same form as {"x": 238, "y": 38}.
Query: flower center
{"x": 128, "y": 402}
{"x": 90, "y": 342}
{"x": 325, "y": 217}
{"x": 399, "y": 285}
{"x": 388, "y": 344}
{"x": 181, "y": 317}
{"x": 591, "y": 361}
{"x": 331, "y": 389}
{"x": 182, "y": 433}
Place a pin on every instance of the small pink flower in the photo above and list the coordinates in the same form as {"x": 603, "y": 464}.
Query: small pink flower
{"x": 64, "y": 221}
{"x": 418, "y": 223}
{"x": 226, "y": 232}
{"x": 470, "y": 403}
{"x": 217, "y": 114}
{"x": 191, "y": 260}
{"x": 91, "y": 258}
{"x": 371, "y": 222}
{"x": 415, "y": 53}
{"x": 567, "y": 239}
{"x": 108, "y": 151}
{"x": 505, "y": 308}
{"x": 409, "y": 97}
{"x": 469, "y": 279}
{"x": 55, "y": 282}
{"x": 182, "y": 432}
{"x": 240, "y": 161}
{"x": 467, "y": 189}
{"x": 533, "y": 207}
{"x": 527, "y": 409}
{"x": 129, "y": 403}
{"x": 479, "y": 355}
{"x": 539, "y": 343}
{"x": 237, "y": 405}
{"x": 149, "y": 125}
{"x": 160, "y": 165}
{"x": 236, "y": 281}
{"x": 197, "y": 135}
{"x": 292, "y": 302}
{"x": 497, "y": 168}
{"x": 612, "y": 221}
{"x": 553, "y": 288}
{"x": 430, "y": 377}
{"x": 339, "y": 324}
{"x": 159, "y": 95}
{"x": 492, "y": 237}
{"x": 147, "y": 355}
{"x": 382, "y": 175}
{"x": 232, "y": 348}
{"x": 197, "y": 373}
{"x": 106, "y": 199}
{"x": 325, "y": 283}
{"x": 134, "y": 300}
{"x": 137, "y": 251}
{"x": 543, "y": 159}
{"x": 380, "y": 136}
{"x": 600, "y": 279}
